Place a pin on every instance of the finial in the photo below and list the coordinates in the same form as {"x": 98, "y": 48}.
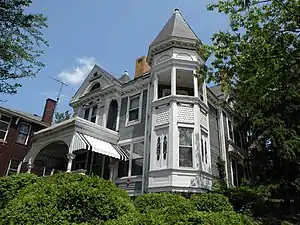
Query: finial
{"x": 176, "y": 10}
{"x": 126, "y": 73}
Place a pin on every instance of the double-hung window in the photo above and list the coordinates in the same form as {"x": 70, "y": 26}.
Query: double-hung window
{"x": 134, "y": 109}
{"x": 230, "y": 129}
{"x": 23, "y": 133}
{"x": 185, "y": 147}
{"x": 4, "y": 126}
{"x": 90, "y": 114}
{"x": 134, "y": 166}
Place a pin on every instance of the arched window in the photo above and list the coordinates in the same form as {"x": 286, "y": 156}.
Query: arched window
{"x": 158, "y": 148}
{"x": 165, "y": 147}
{"x": 112, "y": 115}
{"x": 95, "y": 86}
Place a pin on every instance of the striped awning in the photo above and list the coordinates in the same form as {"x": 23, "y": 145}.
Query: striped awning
{"x": 83, "y": 141}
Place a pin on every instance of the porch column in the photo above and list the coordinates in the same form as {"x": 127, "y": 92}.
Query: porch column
{"x": 112, "y": 166}
{"x": 196, "y": 94}
{"x": 111, "y": 171}
{"x": 29, "y": 165}
{"x": 155, "y": 87}
{"x": 173, "y": 81}
{"x": 70, "y": 157}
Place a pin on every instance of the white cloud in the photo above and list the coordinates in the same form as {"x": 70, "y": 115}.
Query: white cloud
{"x": 53, "y": 95}
{"x": 79, "y": 72}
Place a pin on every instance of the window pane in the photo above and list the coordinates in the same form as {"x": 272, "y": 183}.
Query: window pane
{"x": 237, "y": 139}
{"x": 93, "y": 119}
{"x": 94, "y": 112}
{"x": 14, "y": 164}
{"x": 185, "y": 136}
{"x": 134, "y": 102}
{"x": 21, "y": 138}
{"x": 230, "y": 129}
{"x": 137, "y": 167}
{"x": 2, "y": 134}
{"x": 5, "y": 118}
{"x": 24, "y": 128}
{"x": 86, "y": 114}
{"x": 235, "y": 182}
{"x": 185, "y": 157}
{"x": 133, "y": 114}
{"x": 3, "y": 126}
{"x": 138, "y": 150}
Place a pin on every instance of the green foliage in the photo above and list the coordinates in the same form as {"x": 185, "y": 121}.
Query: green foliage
{"x": 65, "y": 199}
{"x": 218, "y": 218}
{"x": 20, "y": 43}
{"x": 248, "y": 200}
{"x": 257, "y": 60}
{"x": 163, "y": 208}
{"x": 60, "y": 117}
{"x": 10, "y": 186}
{"x": 222, "y": 172}
{"x": 211, "y": 202}
{"x": 158, "y": 201}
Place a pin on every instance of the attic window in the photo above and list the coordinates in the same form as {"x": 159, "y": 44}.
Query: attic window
{"x": 95, "y": 74}
{"x": 95, "y": 86}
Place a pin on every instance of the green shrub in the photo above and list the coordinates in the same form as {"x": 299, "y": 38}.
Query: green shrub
{"x": 211, "y": 202}
{"x": 248, "y": 200}
{"x": 163, "y": 208}
{"x": 11, "y": 185}
{"x": 66, "y": 199}
{"x": 218, "y": 218}
{"x": 159, "y": 201}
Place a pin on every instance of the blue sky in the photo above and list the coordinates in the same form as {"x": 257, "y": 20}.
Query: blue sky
{"x": 111, "y": 34}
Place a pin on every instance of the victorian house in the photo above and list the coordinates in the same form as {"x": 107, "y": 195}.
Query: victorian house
{"x": 163, "y": 130}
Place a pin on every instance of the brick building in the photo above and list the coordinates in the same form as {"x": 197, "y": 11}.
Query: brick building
{"x": 16, "y": 130}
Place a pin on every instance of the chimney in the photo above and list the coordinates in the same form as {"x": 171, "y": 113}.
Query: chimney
{"x": 141, "y": 66}
{"x": 49, "y": 111}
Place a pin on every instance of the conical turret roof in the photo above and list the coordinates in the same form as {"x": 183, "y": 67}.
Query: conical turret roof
{"x": 175, "y": 27}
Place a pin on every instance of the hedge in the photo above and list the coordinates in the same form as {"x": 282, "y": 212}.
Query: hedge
{"x": 10, "y": 186}
{"x": 211, "y": 202}
{"x": 66, "y": 199}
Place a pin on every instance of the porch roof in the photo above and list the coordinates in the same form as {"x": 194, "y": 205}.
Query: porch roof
{"x": 78, "y": 133}
{"x": 99, "y": 146}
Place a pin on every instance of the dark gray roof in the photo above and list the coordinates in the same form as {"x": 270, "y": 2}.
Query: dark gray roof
{"x": 124, "y": 78}
{"x": 107, "y": 73}
{"x": 217, "y": 91}
{"x": 24, "y": 115}
{"x": 175, "y": 27}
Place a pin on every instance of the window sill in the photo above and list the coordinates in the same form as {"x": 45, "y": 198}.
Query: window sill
{"x": 3, "y": 142}
{"x": 133, "y": 122}
{"x": 25, "y": 145}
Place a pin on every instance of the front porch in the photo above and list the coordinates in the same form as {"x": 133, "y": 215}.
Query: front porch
{"x": 75, "y": 145}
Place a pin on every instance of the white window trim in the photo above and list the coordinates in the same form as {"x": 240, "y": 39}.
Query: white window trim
{"x": 193, "y": 142}
{"x": 227, "y": 120}
{"x": 27, "y": 138}
{"x": 8, "y": 127}
{"x": 130, "y": 123}
{"x": 90, "y": 112}
{"x": 131, "y": 143}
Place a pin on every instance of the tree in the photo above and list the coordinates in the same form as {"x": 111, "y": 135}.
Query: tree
{"x": 258, "y": 60}
{"x": 60, "y": 117}
{"x": 20, "y": 43}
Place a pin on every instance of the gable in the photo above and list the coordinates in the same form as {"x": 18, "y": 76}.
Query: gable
{"x": 96, "y": 79}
